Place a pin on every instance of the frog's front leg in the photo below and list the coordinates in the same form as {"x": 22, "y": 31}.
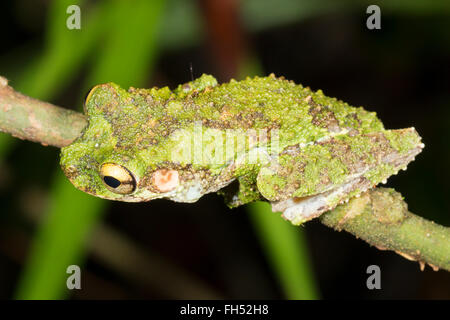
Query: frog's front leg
{"x": 241, "y": 191}
{"x": 305, "y": 181}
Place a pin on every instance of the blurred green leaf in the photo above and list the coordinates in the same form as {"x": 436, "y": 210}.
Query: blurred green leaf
{"x": 5, "y": 142}
{"x": 287, "y": 252}
{"x": 60, "y": 241}
{"x": 129, "y": 49}
{"x": 65, "y": 50}
{"x": 182, "y": 25}
{"x": 127, "y": 54}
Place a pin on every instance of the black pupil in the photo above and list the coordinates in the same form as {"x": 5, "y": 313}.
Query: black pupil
{"x": 112, "y": 182}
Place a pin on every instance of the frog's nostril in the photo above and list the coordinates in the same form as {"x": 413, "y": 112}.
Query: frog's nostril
{"x": 165, "y": 180}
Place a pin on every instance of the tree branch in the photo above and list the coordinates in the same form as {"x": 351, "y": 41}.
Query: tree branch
{"x": 37, "y": 121}
{"x": 380, "y": 216}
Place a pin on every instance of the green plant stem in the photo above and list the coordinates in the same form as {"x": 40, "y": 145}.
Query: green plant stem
{"x": 278, "y": 238}
{"x": 379, "y": 217}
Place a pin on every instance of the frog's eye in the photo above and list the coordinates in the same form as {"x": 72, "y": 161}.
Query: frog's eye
{"x": 87, "y": 97}
{"x": 117, "y": 179}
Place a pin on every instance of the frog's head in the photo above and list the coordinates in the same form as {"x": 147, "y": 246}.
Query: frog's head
{"x": 123, "y": 152}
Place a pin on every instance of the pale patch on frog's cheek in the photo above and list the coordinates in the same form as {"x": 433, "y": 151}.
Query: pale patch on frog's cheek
{"x": 190, "y": 192}
{"x": 165, "y": 180}
{"x": 194, "y": 192}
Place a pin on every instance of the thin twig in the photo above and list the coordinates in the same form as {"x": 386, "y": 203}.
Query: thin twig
{"x": 381, "y": 218}
{"x": 37, "y": 121}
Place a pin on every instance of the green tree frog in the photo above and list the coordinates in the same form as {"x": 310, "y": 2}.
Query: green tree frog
{"x": 263, "y": 138}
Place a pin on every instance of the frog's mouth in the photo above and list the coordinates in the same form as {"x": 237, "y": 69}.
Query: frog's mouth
{"x": 299, "y": 210}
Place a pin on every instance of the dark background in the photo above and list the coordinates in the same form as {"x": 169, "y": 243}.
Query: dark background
{"x": 401, "y": 72}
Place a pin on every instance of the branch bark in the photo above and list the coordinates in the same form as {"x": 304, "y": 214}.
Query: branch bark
{"x": 37, "y": 121}
{"x": 379, "y": 216}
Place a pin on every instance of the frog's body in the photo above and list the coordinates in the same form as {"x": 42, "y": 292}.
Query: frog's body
{"x": 277, "y": 141}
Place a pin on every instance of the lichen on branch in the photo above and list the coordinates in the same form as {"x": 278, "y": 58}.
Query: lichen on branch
{"x": 381, "y": 218}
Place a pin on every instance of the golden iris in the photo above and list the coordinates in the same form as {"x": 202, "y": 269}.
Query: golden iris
{"x": 117, "y": 178}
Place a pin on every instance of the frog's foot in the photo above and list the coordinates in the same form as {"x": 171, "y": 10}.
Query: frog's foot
{"x": 302, "y": 209}
{"x": 335, "y": 172}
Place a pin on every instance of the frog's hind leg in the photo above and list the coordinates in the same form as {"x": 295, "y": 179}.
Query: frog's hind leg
{"x": 305, "y": 181}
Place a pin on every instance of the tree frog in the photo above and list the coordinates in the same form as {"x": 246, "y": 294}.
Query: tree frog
{"x": 262, "y": 138}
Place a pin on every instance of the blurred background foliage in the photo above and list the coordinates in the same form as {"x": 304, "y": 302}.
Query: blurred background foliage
{"x": 162, "y": 249}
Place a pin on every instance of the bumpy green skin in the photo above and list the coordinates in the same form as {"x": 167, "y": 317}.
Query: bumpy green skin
{"x": 322, "y": 142}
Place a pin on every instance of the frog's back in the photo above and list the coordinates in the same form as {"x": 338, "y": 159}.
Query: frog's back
{"x": 300, "y": 115}
{"x": 143, "y": 118}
